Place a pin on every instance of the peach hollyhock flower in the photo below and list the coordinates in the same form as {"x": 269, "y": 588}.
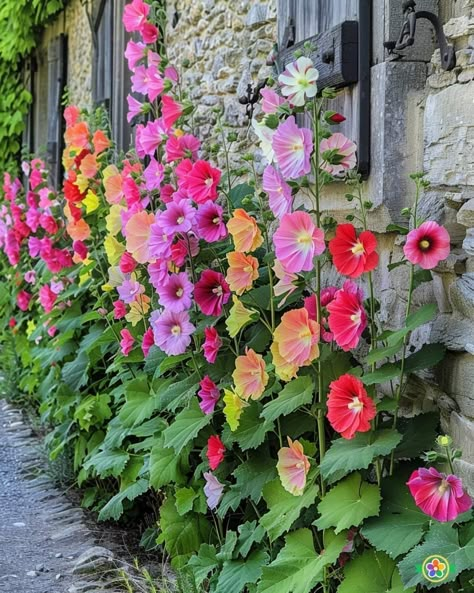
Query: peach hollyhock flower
{"x": 238, "y": 317}
{"x": 89, "y": 166}
{"x": 297, "y": 338}
{"x": 427, "y": 245}
{"x": 350, "y": 409}
{"x": 215, "y": 451}
{"x": 233, "y": 406}
{"x": 298, "y": 81}
{"x": 293, "y": 467}
{"x": 138, "y": 235}
{"x": 250, "y": 378}
{"x": 297, "y": 241}
{"x": 243, "y": 270}
{"x": 285, "y": 285}
{"x": 100, "y": 142}
{"x": 283, "y": 370}
{"x": 113, "y": 184}
{"x": 77, "y": 136}
{"x": 78, "y": 230}
{"x": 338, "y": 154}
{"x": 244, "y": 230}
{"x": 353, "y": 255}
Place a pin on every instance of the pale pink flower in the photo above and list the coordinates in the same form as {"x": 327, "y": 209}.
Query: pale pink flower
{"x": 279, "y": 192}
{"x": 293, "y": 147}
{"x": 213, "y": 490}
{"x": 271, "y": 100}
{"x": 297, "y": 241}
{"x": 338, "y": 154}
{"x": 285, "y": 285}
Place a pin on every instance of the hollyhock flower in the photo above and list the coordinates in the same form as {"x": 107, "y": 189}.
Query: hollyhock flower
{"x": 134, "y": 52}
{"x": 127, "y": 342}
{"x": 238, "y": 317}
{"x": 138, "y": 309}
{"x": 30, "y": 277}
{"x": 285, "y": 285}
{"x": 23, "y": 299}
{"x": 160, "y": 242}
{"x": 12, "y": 322}
{"x": 182, "y": 170}
{"x": 148, "y": 341}
{"x": 138, "y": 231}
{"x": 213, "y": 490}
{"x": 47, "y": 298}
{"x": 211, "y": 292}
{"x": 338, "y": 154}
{"x": 298, "y": 81}
{"x": 134, "y": 108}
{"x": 202, "y": 182}
{"x": 249, "y": 375}
{"x": 284, "y": 370}
{"x": 242, "y": 271}
{"x": 210, "y": 224}
{"x": 244, "y": 230}
{"x": 149, "y": 33}
{"x": 178, "y": 147}
{"x": 293, "y": 467}
{"x": 119, "y": 309}
{"x": 78, "y": 230}
{"x": 233, "y": 407}
{"x": 100, "y": 142}
{"x": 153, "y": 174}
{"x": 297, "y": 241}
{"x": 151, "y": 136}
{"x": 209, "y": 395}
{"x": 57, "y": 287}
{"x": 187, "y": 246}
{"x": 80, "y": 248}
{"x": 172, "y": 331}
{"x": 438, "y": 495}
{"x": 113, "y": 249}
{"x": 113, "y": 184}
{"x": 127, "y": 264}
{"x": 352, "y": 255}
{"x": 33, "y": 219}
{"x": 265, "y": 136}
{"x": 179, "y": 217}
{"x": 135, "y": 15}
{"x": 297, "y": 337}
{"x": 52, "y": 331}
{"x": 347, "y": 319}
{"x": 175, "y": 295}
{"x": 215, "y": 451}
{"x": 212, "y": 344}
{"x": 89, "y": 166}
{"x": 129, "y": 290}
{"x": 71, "y": 115}
{"x": 350, "y": 409}
{"x": 158, "y": 272}
{"x": 171, "y": 110}
{"x": 279, "y": 192}
{"x": 293, "y": 147}
{"x": 427, "y": 245}
{"x": 271, "y": 100}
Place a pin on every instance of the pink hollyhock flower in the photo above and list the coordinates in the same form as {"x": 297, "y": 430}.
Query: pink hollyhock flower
{"x": 135, "y": 15}
{"x": 209, "y": 395}
{"x": 148, "y": 341}
{"x": 127, "y": 342}
{"x": 250, "y": 377}
{"x": 213, "y": 490}
{"x": 160, "y": 242}
{"x": 151, "y": 136}
{"x": 175, "y": 295}
{"x": 427, "y": 245}
{"x": 171, "y": 73}
{"x": 127, "y": 264}
{"x": 134, "y": 108}
{"x": 48, "y": 223}
{"x": 80, "y": 248}
{"x": 297, "y": 241}
{"x": 182, "y": 170}
{"x": 179, "y": 147}
{"x": 285, "y": 284}
{"x": 129, "y": 290}
{"x": 12, "y": 322}
{"x": 52, "y": 331}
{"x": 202, "y": 182}
{"x": 158, "y": 273}
{"x": 271, "y": 101}
{"x": 293, "y": 467}
{"x": 279, "y": 192}
{"x": 119, "y": 310}
{"x": 438, "y": 495}
{"x": 149, "y": 33}
{"x": 172, "y": 331}
{"x": 139, "y": 149}
{"x": 179, "y": 217}
{"x": 23, "y": 299}
{"x": 171, "y": 110}
{"x": 71, "y": 116}
{"x": 210, "y": 224}
{"x": 47, "y": 298}
{"x": 212, "y": 344}
{"x": 352, "y": 255}
{"x": 134, "y": 52}
{"x": 350, "y": 409}
{"x": 215, "y": 451}
{"x": 211, "y": 292}
{"x": 347, "y": 319}
{"x": 338, "y": 154}
{"x": 185, "y": 246}
{"x": 297, "y": 338}
{"x": 138, "y": 232}
{"x": 153, "y": 174}
{"x": 153, "y": 58}
{"x": 33, "y": 219}
{"x": 293, "y": 147}
{"x": 298, "y": 81}
{"x": 30, "y": 277}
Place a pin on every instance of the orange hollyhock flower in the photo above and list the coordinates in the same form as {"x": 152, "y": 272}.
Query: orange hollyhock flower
{"x": 293, "y": 466}
{"x": 138, "y": 235}
{"x": 77, "y": 135}
{"x": 243, "y": 270}
{"x": 113, "y": 184}
{"x": 297, "y": 337}
{"x": 249, "y": 376}
{"x": 100, "y": 142}
{"x": 244, "y": 231}
{"x": 283, "y": 370}
{"x": 78, "y": 230}
{"x": 89, "y": 166}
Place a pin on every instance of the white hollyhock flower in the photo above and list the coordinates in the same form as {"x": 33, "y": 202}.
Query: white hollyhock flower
{"x": 298, "y": 81}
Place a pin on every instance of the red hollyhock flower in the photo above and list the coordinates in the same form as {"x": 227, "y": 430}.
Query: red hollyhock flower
{"x": 211, "y": 292}
{"x": 347, "y": 319}
{"x": 202, "y": 182}
{"x": 127, "y": 263}
{"x": 215, "y": 451}
{"x": 353, "y": 255}
{"x": 350, "y": 409}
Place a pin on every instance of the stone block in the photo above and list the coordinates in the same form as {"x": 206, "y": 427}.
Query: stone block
{"x": 466, "y": 214}
{"x": 468, "y": 243}
{"x": 466, "y": 74}
{"x": 256, "y": 16}
{"x": 461, "y": 296}
{"x": 456, "y": 377}
{"x": 465, "y": 471}
{"x": 454, "y": 331}
{"x": 462, "y": 432}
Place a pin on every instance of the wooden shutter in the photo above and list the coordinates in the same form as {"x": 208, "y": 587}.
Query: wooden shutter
{"x": 103, "y": 64}
{"x": 57, "y": 76}
{"x": 121, "y": 83}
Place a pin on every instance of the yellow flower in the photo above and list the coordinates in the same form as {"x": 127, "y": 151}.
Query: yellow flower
{"x": 138, "y": 309}
{"x": 91, "y": 202}
{"x": 30, "y": 327}
{"x": 113, "y": 249}
{"x": 283, "y": 370}
{"x": 239, "y": 316}
{"x": 113, "y": 220}
{"x": 87, "y": 274}
{"x": 82, "y": 183}
{"x": 233, "y": 408}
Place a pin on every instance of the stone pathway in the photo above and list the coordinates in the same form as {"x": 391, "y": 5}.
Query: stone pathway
{"x": 45, "y": 543}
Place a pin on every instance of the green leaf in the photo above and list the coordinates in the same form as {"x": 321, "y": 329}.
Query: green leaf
{"x": 173, "y": 394}
{"x": 418, "y": 435}
{"x": 252, "y": 429}
{"x": 114, "y": 508}
{"x": 348, "y": 503}
{"x": 140, "y": 402}
{"x": 387, "y": 372}
{"x": 165, "y": 466}
{"x": 442, "y": 539}
{"x": 381, "y": 353}
{"x": 427, "y": 357}
{"x": 236, "y": 574}
{"x": 345, "y": 456}
{"x": 239, "y": 192}
{"x": 373, "y": 572}
{"x": 298, "y": 392}
{"x": 186, "y": 426}
{"x": 397, "y": 228}
{"x": 284, "y": 508}
{"x": 252, "y": 476}
{"x": 203, "y": 563}
{"x": 109, "y": 462}
{"x": 184, "y": 500}
{"x": 249, "y": 533}
{"x": 298, "y": 568}
{"x": 421, "y": 276}
{"x": 419, "y": 317}
{"x": 74, "y": 373}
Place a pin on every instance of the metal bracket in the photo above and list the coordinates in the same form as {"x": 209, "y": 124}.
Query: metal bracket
{"x": 252, "y": 97}
{"x": 408, "y": 33}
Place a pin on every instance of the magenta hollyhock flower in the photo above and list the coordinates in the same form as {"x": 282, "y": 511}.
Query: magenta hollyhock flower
{"x": 438, "y": 495}
{"x": 148, "y": 341}
{"x": 134, "y": 52}
{"x": 172, "y": 331}
{"x": 171, "y": 110}
{"x": 212, "y": 344}
{"x": 347, "y": 319}
{"x": 271, "y": 100}
{"x": 297, "y": 241}
{"x": 427, "y": 245}
{"x": 293, "y": 147}
{"x": 160, "y": 241}
{"x": 179, "y": 147}
{"x": 209, "y": 395}
{"x": 175, "y": 294}
{"x": 149, "y": 33}
{"x": 158, "y": 273}
{"x": 47, "y": 298}
{"x": 213, "y": 490}
{"x": 211, "y": 292}
{"x": 33, "y": 219}
{"x": 127, "y": 263}
{"x": 298, "y": 81}
{"x": 135, "y": 15}
{"x": 338, "y": 154}
{"x": 185, "y": 246}
{"x": 52, "y": 331}
{"x": 179, "y": 217}
{"x": 23, "y": 299}
{"x": 279, "y": 192}
{"x": 80, "y": 248}
{"x": 127, "y": 342}
{"x": 134, "y": 108}
{"x": 119, "y": 309}
{"x": 202, "y": 182}
{"x": 129, "y": 290}
{"x": 210, "y": 224}
{"x": 153, "y": 174}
